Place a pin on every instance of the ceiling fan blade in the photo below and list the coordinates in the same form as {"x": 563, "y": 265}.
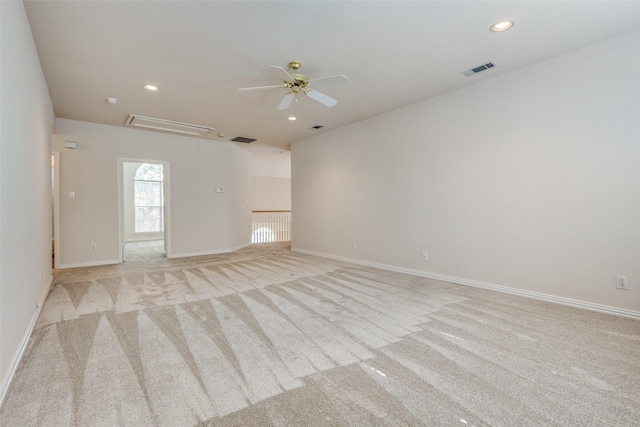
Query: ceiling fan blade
{"x": 322, "y": 98}
{"x": 286, "y": 101}
{"x": 284, "y": 74}
{"x": 333, "y": 80}
{"x": 261, "y": 87}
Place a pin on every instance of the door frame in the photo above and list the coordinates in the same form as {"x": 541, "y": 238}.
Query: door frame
{"x": 166, "y": 199}
{"x": 55, "y": 197}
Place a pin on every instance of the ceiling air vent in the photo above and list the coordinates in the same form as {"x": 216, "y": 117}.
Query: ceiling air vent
{"x": 479, "y": 69}
{"x": 167, "y": 125}
{"x": 243, "y": 139}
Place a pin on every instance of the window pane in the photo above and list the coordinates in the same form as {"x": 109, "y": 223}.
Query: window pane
{"x": 148, "y": 198}
{"x": 148, "y": 219}
{"x": 148, "y": 172}
{"x": 148, "y": 193}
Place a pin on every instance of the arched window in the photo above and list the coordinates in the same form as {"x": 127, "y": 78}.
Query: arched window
{"x": 149, "y": 199}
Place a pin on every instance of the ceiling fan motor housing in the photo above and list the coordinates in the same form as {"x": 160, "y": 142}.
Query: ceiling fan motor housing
{"x": 300, "y": 80}
{"x": 296, "y": 83}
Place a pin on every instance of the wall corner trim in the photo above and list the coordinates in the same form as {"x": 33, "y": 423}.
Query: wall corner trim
{"x": 466, "y": 282}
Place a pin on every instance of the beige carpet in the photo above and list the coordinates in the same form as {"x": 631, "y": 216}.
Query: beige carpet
{"x": 143, "y": 250}
{"x": 266, "y": 337}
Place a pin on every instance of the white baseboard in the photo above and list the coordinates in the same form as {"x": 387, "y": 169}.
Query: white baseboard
{"x": 244, "y": 245}
{"x": 505, "y": 289}
{"x": 4, "y": 386}
{"x": 184, "y": 255}
{"x": 89, "y": 264}
{"x": 226, "y": 251}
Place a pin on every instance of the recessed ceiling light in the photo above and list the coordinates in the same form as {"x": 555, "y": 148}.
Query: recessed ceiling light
{"x": 293, "y": 118}
{"x": 151, "y": 88}
{"x": 501, "y": 26}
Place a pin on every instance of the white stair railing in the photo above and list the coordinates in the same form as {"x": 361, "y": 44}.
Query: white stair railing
{"x": 271, "y": 226}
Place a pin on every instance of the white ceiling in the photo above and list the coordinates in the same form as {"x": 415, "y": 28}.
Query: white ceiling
{"x": 394, "y": 53}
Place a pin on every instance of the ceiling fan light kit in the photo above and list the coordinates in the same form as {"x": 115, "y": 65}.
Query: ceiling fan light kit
{"x": 296, "y": 83}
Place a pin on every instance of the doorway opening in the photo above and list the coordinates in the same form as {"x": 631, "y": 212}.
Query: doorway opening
{"x": 143, "y": 209}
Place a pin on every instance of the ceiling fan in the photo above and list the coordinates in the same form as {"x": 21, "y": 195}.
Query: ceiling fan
{"x": 297, "y": 83}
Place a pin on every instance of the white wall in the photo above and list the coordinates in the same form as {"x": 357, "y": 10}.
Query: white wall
{"x": 240, "y": 192}
{"x": 530, "y": 180}
{"x": 271, "y": 182}
{"x": 26, "y": 118}
{"x": 271, "y": 193}
{"x": 199, "y": 220}
{"x": 269, "y": 161}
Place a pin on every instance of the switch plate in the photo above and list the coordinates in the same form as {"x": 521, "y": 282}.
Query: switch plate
{"x": 72, "y": 194}
{"x": 353, "y": 246}
{"x": 94, "y": 247}
{"x": 425, "y": 257}
{"x": 622, "y": 282}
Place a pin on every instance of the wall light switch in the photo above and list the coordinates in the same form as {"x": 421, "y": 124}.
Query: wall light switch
{"x": 219, "y": 190}
{"x": 72, "y": 194}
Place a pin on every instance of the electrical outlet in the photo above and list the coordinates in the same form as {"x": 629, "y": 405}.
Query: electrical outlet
{"x": 425, "y": 257}
{"x": 94, "y": 247}
{"x": 353, "y": 246}
{"x": 622, "y": 282}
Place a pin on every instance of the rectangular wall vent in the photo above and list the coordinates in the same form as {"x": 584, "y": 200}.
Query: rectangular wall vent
{"x": 243, "y": 139}
{"x": 479, "y": 69}
{"x": 167, "y": 125}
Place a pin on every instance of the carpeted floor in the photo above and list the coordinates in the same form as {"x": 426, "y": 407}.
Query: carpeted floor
{"x": 266, "y": 337}
{"x": 143, "y": 250}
